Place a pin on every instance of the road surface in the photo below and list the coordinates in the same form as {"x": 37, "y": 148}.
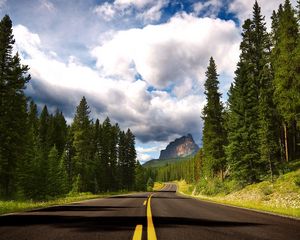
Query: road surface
{"x": 159, "y": 215}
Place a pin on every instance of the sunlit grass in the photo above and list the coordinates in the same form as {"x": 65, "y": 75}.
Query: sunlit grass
{"x": 281, "y": 196}
{"x": 158, "y": 186}
{"x": 19, "y": 206}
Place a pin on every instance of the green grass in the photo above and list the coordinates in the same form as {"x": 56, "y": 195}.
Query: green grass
{"x": 281, "y": 196}
{"x": 20, "y": 206}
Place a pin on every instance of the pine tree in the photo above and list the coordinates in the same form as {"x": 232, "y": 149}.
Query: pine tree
{"x": 97, "y": 153}
{"x": 105, "y": 154}
{"x": 140, "y": 178}
{"x": 214, "y": 137}
{"x": 252, "y": 116}
{"x": 81, "y": 130}
{"x": 131, "y": 159}
{"x": 122, "y": 156}
{"x": 286, "y": 78}
{"x": 242, "y": 150}
{"x": 13, "y": 79}
{"x": 58, "y": 131}
{"x": 33, "y": 118}
{"x": 53, "y": 183}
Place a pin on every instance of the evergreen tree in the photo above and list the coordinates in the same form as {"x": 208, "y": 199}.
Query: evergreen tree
{"x": 243, "y": 148}
{"x": 140, "y": 178}
{"x": 13, "y": 79}
{"x": 58, "y": 131}
{"x": 214, "y": 137}
{"x": 286, "y": 66}
{"x": 97, "y": 153}
{"x": 105, "y": 154}
{"x": 33, "y": 119}
{"x": 122, "y": 156}
{"x": 130, "y": 159}
{"x": 53, "y": 183}
{"x": 81, "y": 130}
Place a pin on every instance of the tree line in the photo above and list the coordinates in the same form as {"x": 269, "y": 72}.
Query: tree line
{"x": 257, "y": 132}
{"x": 187, "y": 169}
{"x": 42, "y": 156}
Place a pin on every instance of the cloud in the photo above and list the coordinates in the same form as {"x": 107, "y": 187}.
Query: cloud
{"x": 47, "y": 5}
{"x": 152, "y": 115}
{"x": 145, "y": 10}
{"x": 209, "y": 8}
{"x": 146, "y": 152}
{"x": 243, "y": 9}
{"x": 107, "y": 11}
{"x": 174, "y": 53}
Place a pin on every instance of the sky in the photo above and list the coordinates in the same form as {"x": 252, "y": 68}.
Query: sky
{"x": 142, "y": 63}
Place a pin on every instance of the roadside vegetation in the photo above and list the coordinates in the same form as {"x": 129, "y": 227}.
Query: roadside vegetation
{"x": 158, "y": 186}
{"x": 281, "y": 196}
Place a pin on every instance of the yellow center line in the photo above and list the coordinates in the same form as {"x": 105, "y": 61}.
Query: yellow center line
{"x": 138, "y": 232}
{"x": 145, "y": 202}
{"x": 151, "y": 235}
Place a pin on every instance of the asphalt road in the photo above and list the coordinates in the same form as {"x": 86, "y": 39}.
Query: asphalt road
{"x": 164, "y": 215}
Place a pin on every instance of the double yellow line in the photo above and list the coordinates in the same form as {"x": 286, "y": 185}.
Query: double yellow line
{"x": 151, "y": 235}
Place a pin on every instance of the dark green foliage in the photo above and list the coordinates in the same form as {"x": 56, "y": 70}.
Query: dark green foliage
{"x": 140, "y": 178}
{"x": 286, "y": 64}
{"x": 13, "y": 79}
{"x": 55, "y": 178}
{"x": 286, "y": 67}
{"x": 189, "y": 169}
{"x": 150, "y": 184}
{"x": 214, "y": 136}
{"x": 252, "y": 125}
{"x": 82, "y": 133}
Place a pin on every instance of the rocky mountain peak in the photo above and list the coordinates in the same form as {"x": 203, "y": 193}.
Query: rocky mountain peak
{"x": 180, "y": 147}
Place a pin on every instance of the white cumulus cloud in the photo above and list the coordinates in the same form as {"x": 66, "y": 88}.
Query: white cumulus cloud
{"x": 176, "y": 52}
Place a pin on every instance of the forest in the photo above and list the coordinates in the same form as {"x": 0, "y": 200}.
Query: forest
{"x": 42, "y": 157}
{"x": 255, "y": 135}
{"x": 252, "y": 137}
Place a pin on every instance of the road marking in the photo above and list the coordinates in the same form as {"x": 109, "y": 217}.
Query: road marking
{"x": 151, "y": 235}
{"x": 145, "y": 202}
{"x": 138, "y": 232}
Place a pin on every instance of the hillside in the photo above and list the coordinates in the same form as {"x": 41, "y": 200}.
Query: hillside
{"x": 280, "y": 196}
{"x": 163, "y": 162}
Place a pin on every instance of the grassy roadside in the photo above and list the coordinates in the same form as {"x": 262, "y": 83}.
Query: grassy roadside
{"x": 20, "y": 206}
{"x": 158, "y": 186}
{"x": 281, "y": 196}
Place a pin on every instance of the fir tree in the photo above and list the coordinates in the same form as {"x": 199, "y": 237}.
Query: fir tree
{"x": 81, "y": 130}
{"x": 130, "y": 159}
{"x": 13, "y": 79}
{"x": 243, "y": 148}
{"x": 286, "y": 78}
{"x": 214, "y": 137}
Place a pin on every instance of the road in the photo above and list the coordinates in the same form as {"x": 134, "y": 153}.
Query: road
{"x": 158, "y": 215}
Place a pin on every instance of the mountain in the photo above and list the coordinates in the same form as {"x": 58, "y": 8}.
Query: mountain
{"x": 181, "y": 147}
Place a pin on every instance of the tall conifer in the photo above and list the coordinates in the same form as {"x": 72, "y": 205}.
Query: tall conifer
{"x": 214, "y": 137}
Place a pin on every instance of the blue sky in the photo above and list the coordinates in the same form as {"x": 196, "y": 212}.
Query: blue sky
{"x": 140, "y": 62}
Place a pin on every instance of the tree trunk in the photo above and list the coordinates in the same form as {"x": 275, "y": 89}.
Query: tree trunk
{"x": 286, "y": 143}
